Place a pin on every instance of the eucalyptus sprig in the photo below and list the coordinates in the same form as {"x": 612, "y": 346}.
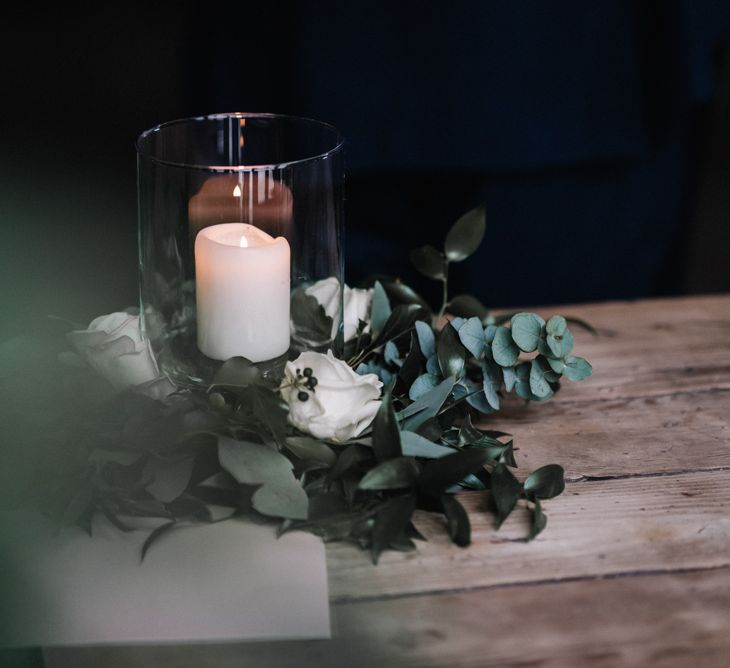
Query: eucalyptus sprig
{"x": 488, "y": 356}
{"x": 462, "y": 240}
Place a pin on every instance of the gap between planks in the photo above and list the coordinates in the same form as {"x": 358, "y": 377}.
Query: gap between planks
{"x": 531, "y": 583}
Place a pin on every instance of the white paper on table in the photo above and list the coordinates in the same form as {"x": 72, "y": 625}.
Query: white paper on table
{"x": 232, "y": 580}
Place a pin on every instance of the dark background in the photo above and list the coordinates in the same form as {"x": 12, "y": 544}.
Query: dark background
{"x": 596, "y": 134}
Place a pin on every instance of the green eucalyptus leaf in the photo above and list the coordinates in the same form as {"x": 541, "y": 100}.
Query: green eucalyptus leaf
{"x": 412, "y": 366}
{"x": 432, "y": 365}
{"x": 546, "y": 482}
{"x": 392, "y": 355}
{"x": 576, "y": 368}
{"x": 426, "y": 338}
{"x": 467, "y": 306}
{"x": 504, "y": 350}
{"x": 539, "y": 385}
{"x": 428, "y": 261}
{"x": 559, "y": 339}
{"x": 439, "y": 475}
{"x": 422, "y": 385}
{"x": 415, "y": 445}
{"x": 169, "y": 478}
{"x": 538, "y": 522}
{"x": 479, "y": 401}
{"x": 471, "y": 335}
{"x": 391, "y": 520}
{"x": 381, "y": 372}
{"x": 380, "y": 309}
{"x": 472, "y": 482}
{"x": 395, "y": 473}
{"x": 506, "y": 491}
{"x": 237, "y": 372}
{"x": 427, "y": 405}
{"x": 494, "y": 448}
{"x": 306, "y": 448}
{"x": 400, "y": 293}
{"x": 309, "y": 320}
{"x": 326, "y": 505}
{"x": 282, "y": 499}
{"x": 526, "y": 330}
{"x": 457, "y": 520}
{"x": 492, "y": 382}
{"x": 154, "y": 536}
{"x": 253, "y": 463}
{"x": 507, "y": 456}
{"x": 270, "y": 409}
{"x": 456, "y": 323}
{"x": 465, "y": 235}
{"x": 489, "y": 332}
{"x": 189, "y": 507}
{"x": 402, "y": 543}
{"x": 401, "y": 319}
{"x": 430, "y": 429}
{"x": 386, "y": 436}
{"x": 556, "y": 325}
{"x": 451, "y": 354}
{"x": 556, "y": 364}
{"x": 522, "y": 381}
{"x": 350, "y": 457}
{"x": 551, "y": 376}
{"x": 510, "y": 378}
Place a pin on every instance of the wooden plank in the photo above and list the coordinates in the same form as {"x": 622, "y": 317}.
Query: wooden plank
{"x": 594, "y": 529}
{"x": 655, "y": 346}
{"x": 662, "y": 434}
{"x": 667, "y": 621}
{"x": 651, "y": 348}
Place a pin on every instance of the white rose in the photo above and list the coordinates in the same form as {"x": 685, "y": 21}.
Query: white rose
{"x": 357, "y": 304}
{"x": 341, "y": 405}
{"x": 114, "y": 347}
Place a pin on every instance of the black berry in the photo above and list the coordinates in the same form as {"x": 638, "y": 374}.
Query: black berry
{"x": 307, "y": 372}
{"x": 302, "y": 396}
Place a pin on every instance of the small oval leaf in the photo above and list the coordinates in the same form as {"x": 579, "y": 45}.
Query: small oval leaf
{"x": 451, "y": 354}
{"x": 526, "y": 330}
{"x": 465, "y": 235}
{"x": 428, "y": 261}
{"x": 504, "y": 349}
{"x": 546, "y": 482}
{"x": 394, "y": 473}
{"x": 576, "y": 368}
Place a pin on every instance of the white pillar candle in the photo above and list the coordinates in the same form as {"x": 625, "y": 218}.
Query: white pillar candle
{"x": 242, "y": 278}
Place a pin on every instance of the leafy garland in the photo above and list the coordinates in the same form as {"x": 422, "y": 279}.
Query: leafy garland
{"x": 227, "y": 450}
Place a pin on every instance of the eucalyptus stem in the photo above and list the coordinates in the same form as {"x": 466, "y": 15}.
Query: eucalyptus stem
{"x": 445, "y": 290}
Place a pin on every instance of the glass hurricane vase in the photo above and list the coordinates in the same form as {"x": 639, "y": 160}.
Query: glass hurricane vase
{"x": 240, "y": 251}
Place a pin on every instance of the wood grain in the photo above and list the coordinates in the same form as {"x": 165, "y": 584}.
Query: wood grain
{"x": 599, "y": 528}
{"x": 671, "y": 433}
{"x": 668, "y": 621}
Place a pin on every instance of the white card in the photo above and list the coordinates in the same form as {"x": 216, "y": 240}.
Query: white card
{"x": 228, "y": 581}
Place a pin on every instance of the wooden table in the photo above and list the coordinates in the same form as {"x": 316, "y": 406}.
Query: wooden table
{"x": 633, "y": 568}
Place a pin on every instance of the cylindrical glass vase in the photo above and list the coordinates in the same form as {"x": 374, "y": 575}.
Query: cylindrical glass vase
{"x": 240, "y": 248}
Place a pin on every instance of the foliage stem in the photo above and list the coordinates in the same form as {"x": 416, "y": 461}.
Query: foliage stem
{"x": 445, "y": 290}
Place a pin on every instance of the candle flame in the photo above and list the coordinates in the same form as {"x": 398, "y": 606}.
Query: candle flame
{"x": 244, "y": 242}
{"x": 237, "y": 191}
